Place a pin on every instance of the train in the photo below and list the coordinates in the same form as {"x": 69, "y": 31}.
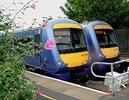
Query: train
{"x": 102, "y": 46}
{"x": 60, "y": 49}
{"x": 66, "y": 49}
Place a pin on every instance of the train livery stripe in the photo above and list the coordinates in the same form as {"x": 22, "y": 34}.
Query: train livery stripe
{"x": 67, "y": 25}
{"x": 103, "y": 27}
{"x": 75, "y": 59}
{"x": 110, "y": 52}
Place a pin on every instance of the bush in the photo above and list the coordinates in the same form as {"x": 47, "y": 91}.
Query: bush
{"x": 13, "y": 84}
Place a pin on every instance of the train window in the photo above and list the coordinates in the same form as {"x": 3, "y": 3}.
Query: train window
{"x": 106, "y": 38}
{"x": 69, "y": 40}
{"x": 37, "y": 41}
{"x": 77, "y": 39}
{"x": 25, "y": 42}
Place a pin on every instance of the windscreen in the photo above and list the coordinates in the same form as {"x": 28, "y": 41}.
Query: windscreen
{"x": 69, "y": 40}
{"x": 106, "y": 38}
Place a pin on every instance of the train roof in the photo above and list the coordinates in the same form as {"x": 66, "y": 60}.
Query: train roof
{"x": 94, "y": 23}
{"x": 47, "y": 25}
{"x": 51, "y": 23}
{"x": 97, "y": 25}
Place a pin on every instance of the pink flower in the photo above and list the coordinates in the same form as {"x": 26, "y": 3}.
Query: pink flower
{"x": 49, "y": 44}
{"x": 45, "y": 23}
{"x": 33, "y": 6}
{"x": 39, "y": 93}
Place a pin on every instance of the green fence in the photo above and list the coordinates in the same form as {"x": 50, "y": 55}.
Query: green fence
{"x": 123, "y": 40}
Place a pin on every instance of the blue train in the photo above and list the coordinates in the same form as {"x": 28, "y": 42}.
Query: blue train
{"x": 102, "y": 46}
{"x": 60, "y": 49}
{"x": 65, "y": 49}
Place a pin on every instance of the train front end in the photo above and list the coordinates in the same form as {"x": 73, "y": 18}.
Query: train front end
{"x": 69, "y": 55}
{"x": 102, "y": 44}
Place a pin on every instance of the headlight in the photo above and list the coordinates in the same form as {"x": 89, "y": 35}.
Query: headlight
{"x": 60, "y": 63}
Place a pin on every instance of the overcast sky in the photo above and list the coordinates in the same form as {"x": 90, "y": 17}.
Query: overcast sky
{"x": 44, "y": 8}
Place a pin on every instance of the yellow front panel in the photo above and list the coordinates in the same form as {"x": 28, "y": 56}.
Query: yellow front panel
{"x": 75, "y": 59}
{"x": 66, "y": 25}
{"x": 110, "y": 52}
{"x": 103, "y": 27}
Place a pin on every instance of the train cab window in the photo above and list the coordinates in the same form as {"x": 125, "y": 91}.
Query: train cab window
{"x": 105, "y": 38}
{"x": 69, "y": 40}
{"x": 77, "y": 39}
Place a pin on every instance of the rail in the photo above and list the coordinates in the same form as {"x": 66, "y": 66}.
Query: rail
{"x": 112, "y": 75}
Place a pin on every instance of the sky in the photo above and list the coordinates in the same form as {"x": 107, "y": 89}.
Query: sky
{"x": 43, "y": 8}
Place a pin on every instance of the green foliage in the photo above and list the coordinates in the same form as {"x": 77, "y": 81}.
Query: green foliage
{"x": 115, "y": 12}
{"x": 13, "y": 84}
{"x": 4, "y": 21}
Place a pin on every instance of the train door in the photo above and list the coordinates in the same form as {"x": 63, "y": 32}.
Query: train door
{"x": 37, "y": 48}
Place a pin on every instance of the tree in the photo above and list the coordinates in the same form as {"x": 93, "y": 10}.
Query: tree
{"x": 115, "y": 12}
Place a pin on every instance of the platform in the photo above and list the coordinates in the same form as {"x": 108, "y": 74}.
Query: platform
{"x": 55, "y": 89}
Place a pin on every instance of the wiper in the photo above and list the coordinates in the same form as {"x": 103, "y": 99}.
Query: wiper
{"x": 63, "y": 44}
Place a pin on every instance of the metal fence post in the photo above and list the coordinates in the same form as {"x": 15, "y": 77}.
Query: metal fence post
{"x": 113, "y": 80}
